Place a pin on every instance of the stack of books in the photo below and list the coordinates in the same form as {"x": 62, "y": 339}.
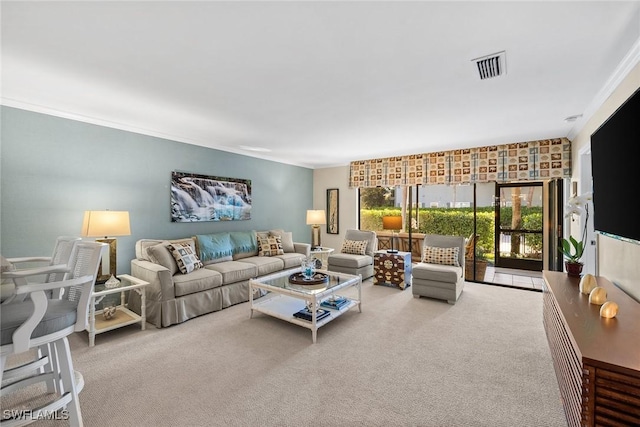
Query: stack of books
{"x": 305, "y": 314}
{"x": 335, "y": 303}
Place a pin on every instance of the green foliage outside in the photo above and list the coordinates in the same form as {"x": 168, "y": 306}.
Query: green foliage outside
{"x": 459, "y": 222}
{"x": 377, "y": 197}
{"x": 532, "y": 220}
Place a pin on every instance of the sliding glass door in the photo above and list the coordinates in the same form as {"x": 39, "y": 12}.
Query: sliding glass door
{"x": 519, "y": 226}
{"x": 506, "y": 225}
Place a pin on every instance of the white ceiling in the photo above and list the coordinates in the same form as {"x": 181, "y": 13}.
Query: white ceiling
{"x": 318, "y": 83}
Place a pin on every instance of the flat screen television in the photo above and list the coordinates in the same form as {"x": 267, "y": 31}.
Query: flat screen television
{"x": 615, "y": 168}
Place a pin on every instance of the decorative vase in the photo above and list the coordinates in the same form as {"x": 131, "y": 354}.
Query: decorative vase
{"x": 573, "y": 268}
{"x": 308, "y": 268}
{"x": 112, "y": 283}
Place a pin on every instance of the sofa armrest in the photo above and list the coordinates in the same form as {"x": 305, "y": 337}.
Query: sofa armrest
{"x": 160, "y": 286}
{"x": 302, "y": 248}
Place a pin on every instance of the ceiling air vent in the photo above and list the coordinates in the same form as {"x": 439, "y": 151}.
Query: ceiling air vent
{"x": 493, "y": 65}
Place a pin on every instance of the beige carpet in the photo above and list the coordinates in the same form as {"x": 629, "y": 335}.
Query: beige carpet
{"x": 403, "y": 361}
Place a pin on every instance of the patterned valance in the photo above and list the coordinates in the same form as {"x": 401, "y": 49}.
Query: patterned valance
{"x": 521, "y": 161}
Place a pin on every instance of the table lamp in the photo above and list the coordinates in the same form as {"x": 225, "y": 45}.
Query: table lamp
{"x": 315, "y": 218}
{"x": 106, "y": 223}
{"x": 393, "y": 223}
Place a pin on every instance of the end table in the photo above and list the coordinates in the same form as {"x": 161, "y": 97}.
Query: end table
{"x": 392, "y": 269}
{"x": 123, "y": 316}
{"x": 324, "y": 253}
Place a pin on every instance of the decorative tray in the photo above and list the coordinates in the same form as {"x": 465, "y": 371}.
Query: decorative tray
{"x": 317, "y": 279}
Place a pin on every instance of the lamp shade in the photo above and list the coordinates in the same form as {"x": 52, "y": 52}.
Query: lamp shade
{"x": 391, "y": 222}
{"x": 316, "y": 217}
{"x": 106, "y": 223}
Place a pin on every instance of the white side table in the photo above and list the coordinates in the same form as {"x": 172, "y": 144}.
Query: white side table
{"x": 323, "y": 253}
{"x": 123, "y": 316}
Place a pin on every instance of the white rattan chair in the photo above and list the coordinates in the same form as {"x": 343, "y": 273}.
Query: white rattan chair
{"x": 62, "y": 251}
{"x": 40, "y": 269}
{"x": 39, "y": 321}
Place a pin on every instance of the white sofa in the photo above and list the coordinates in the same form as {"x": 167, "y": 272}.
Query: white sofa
{"x": 229, "y": 260}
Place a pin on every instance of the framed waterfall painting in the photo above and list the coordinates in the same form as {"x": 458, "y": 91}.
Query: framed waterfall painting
{"x": 332, "y": 211}
{"x": 197, "y": 198}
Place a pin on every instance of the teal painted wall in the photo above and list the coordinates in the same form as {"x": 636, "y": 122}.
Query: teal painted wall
{"x": 53, "y": 169}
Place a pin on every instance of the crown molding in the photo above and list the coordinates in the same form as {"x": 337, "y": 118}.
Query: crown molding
{"x": 631, "y": 59}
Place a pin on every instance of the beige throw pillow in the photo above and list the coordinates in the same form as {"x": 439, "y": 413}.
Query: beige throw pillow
{"x": 355, "y": 247}
{"x": 160, "y": 254}
{"x": 286, "y": 238}
{"x": 444, "y": 256}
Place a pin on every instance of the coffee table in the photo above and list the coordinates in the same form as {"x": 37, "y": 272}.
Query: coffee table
{"x": 283, "y": 299}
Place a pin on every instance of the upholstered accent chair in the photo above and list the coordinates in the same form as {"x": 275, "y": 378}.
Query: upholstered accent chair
{"x": 440, "y": 273}
{"x": 356, "y": 254}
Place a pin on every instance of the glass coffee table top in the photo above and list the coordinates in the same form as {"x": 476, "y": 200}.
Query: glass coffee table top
{"x": 282, "y": 281}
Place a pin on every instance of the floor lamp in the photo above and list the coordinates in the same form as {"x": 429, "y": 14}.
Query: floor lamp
{"x": 393, "y": 223}
{"x": 315, "y": 218}
{"x": 106, "y": 223}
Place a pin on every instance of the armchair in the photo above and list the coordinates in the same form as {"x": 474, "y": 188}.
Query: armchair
{"x": 13, "y": 273}
{"x": 440, "y": 273}
{"x": 356, "y": 255}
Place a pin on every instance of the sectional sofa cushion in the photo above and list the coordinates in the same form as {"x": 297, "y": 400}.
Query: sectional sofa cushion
{"x": 197, "y": 281}
{"x": 185, "y": 256}
{"x": 234, "y": 271}
{"x": 265, "y": 264}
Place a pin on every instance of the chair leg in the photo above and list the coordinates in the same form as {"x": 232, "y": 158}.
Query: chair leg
{"x": 67, "y": 377}
{"x": 46, "y": 350}
{"x": 3, "y": 363}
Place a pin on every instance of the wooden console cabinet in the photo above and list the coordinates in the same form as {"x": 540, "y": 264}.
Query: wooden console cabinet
{"x": 392, "y": 269}
{"x": 596, "y": 360}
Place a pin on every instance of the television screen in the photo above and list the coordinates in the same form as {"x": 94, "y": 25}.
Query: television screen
{"x": 615, "y": 167}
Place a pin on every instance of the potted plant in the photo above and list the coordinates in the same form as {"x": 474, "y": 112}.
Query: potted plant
{"x": 477, "y": 264}
{"x": 572, "y": 251}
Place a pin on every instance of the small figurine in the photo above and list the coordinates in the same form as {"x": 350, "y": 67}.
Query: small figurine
{"x": 109, "y": 312}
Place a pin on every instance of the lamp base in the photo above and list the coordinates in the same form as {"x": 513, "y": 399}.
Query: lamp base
{"x": 392, "y": 251}
{"x": 315, "y": 236}
{"x": 103, "y": 273}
